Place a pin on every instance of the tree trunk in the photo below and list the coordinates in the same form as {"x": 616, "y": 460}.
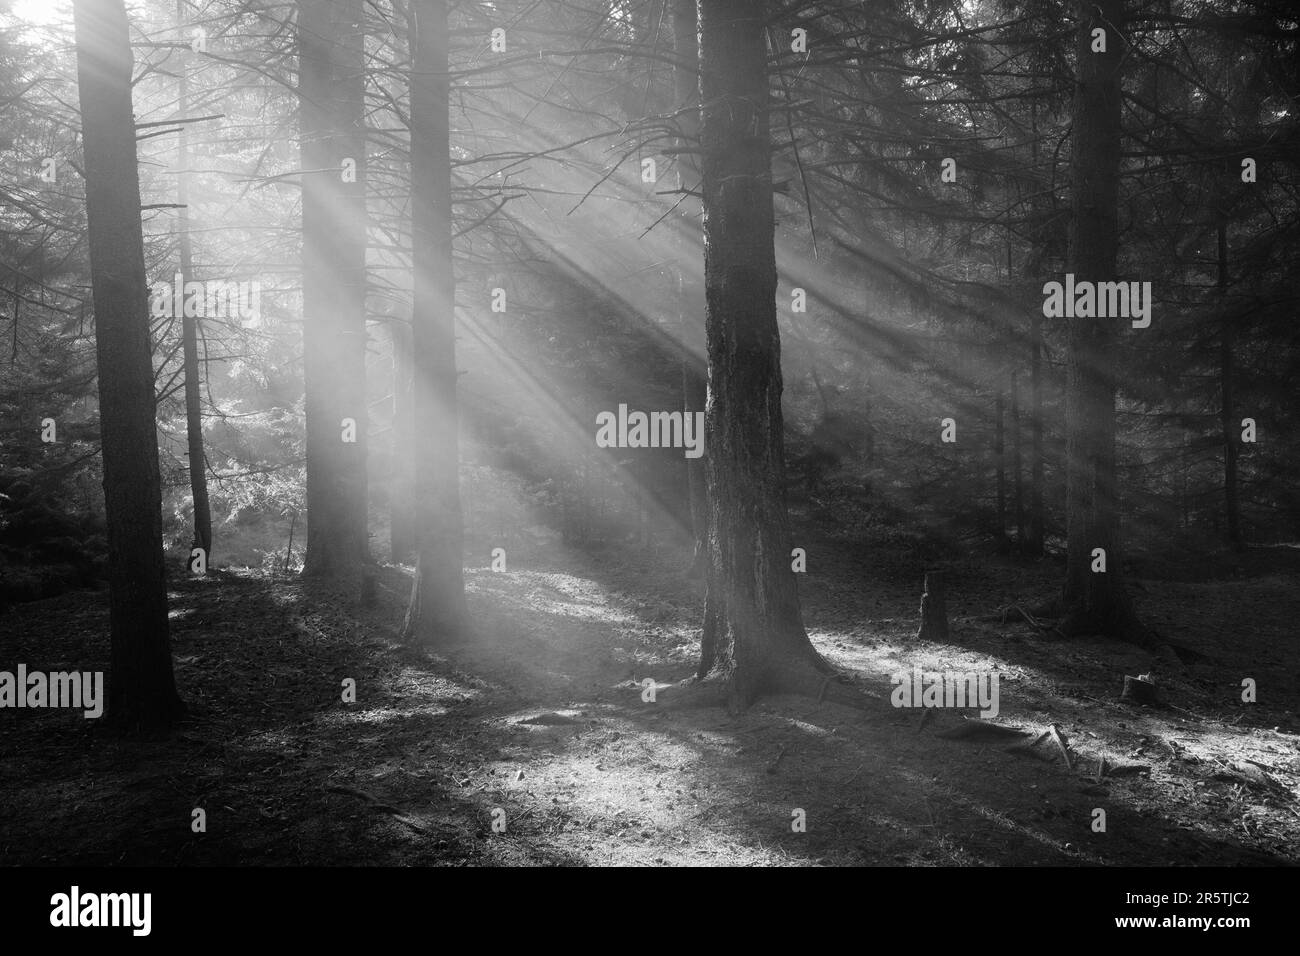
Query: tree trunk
{"x": 401, "y": 512}
{"x": 686, "y": 95}
{"x": 1017, "y": 480}
{"x": 437, "y": 609}
{"x": 189, "y": 328}
{"x": 1036, "y": 516}
{"x": 334, "y": 285}
{"x": 1184, "y": 485}
{"x": 1000, "y": 456}
{"x": 142, "y": 688}
{"x": 1095, "y": 602}
{"x": 1230, "y": 433}
{"x": 754, "y": 640}
{"x": 695, "y": 399}
{"x": 868, "y": 433}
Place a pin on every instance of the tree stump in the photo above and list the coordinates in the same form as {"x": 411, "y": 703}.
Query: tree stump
{"x": 934, "y": 612}
{"x": 1140, "y": 690}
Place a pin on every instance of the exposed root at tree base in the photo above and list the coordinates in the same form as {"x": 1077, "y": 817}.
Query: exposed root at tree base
{"x": 801, "y": 679}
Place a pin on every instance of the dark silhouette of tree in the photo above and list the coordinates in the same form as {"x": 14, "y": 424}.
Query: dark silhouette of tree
{"x": 437, "y": 606}
{"x": 330, "y": 84}
{"x": 1095, "y": 601}
{"x": 686, "y": 93}
{"x": 754, "y": 640}
{"x": 142, "y": 690}
{"x": 189, "y": 328}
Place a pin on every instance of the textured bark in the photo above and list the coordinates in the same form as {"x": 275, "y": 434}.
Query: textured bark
{"x": 690, "y": 301}
{"x": 1000, "y": 456}
{"x": 1017, "y": 477}
{"x": 401, "y": 512}
{"x": 695, "y": 398}
{"x": 189, "y": 329}
{"x": 1094, "y": 602}
{"x": 754, "y": 640}
{"x": 437, "y": 608}
{"x": 334, "y": 281}
{"x": 142, "y": 689}
{"x": 1034, "y": 544}
{"x": 1228, "y": 411}
{"x": 1037, "y": 516}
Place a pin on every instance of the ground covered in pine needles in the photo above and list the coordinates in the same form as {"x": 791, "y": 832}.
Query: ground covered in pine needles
{"x": 531, "y": 743}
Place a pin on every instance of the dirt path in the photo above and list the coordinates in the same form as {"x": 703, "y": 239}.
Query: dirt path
{"x": 539, "y": 726}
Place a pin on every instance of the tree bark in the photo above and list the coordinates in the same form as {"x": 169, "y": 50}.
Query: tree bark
{"x": 189, "y": 327}
{"x": 754, "y": 640}
{"x": 1034, "y": 546}
{"x": 686, "y": 95}
{"x": 142, "y": 689}
{"x": 1226, "y": 374}
{"x": 401, "y": 511}
{"x": 1095, "y": 602}
{"x": 1000, "y": 456}
{"x": 330, "y": 83}
{"x": 1037, "y": 517}
{"x": 1017, "y": 479}
{"x": 437, "y": 609}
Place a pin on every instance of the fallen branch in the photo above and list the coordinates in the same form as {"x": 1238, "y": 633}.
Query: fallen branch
{"x": 1029, "y": 618}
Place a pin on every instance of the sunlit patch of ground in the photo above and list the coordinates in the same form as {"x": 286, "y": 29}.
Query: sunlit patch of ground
{"x": 532, "y": 743}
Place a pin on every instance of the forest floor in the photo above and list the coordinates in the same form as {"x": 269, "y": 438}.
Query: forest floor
{"x": 540, "y": 718}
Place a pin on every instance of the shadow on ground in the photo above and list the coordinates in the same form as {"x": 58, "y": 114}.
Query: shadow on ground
{"x": 532, "y": 743}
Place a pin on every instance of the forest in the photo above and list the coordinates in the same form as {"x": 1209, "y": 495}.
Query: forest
{"x": 514, "y": 433}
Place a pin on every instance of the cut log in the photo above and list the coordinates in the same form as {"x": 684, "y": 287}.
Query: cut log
{"x": 934, "y": 611}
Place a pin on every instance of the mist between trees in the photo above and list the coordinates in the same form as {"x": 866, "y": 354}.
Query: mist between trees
{"x": 330, "y": 287}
